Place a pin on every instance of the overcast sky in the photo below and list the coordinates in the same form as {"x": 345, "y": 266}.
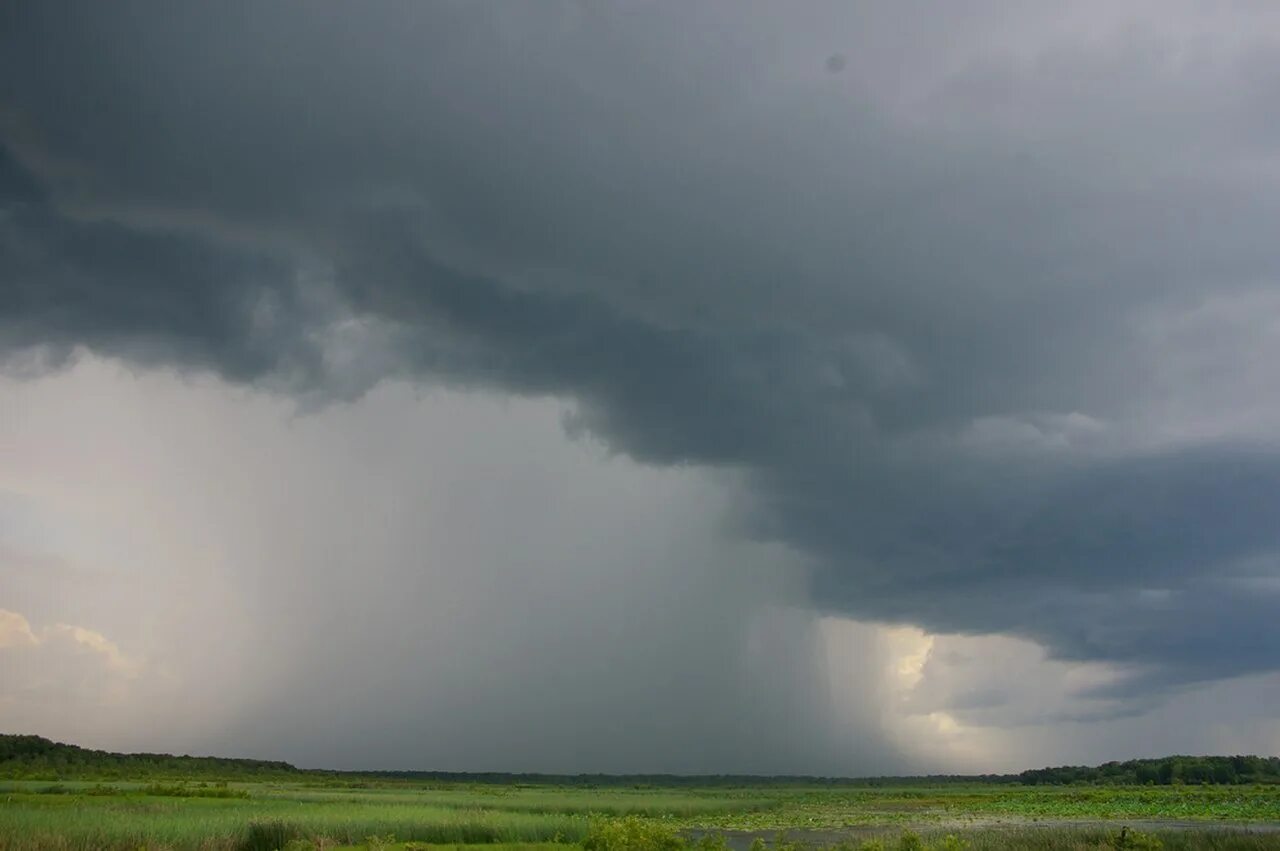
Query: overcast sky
{"x": 840, "y": 388}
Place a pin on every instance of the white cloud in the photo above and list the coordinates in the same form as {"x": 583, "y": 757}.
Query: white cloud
{"x": 15, "y": 631}
{"x": 60, "y": 674}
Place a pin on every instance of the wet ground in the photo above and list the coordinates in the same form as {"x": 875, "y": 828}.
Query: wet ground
{"x": 740, "y": 840}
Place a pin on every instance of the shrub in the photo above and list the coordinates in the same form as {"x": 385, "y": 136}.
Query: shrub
{"x": 268, "y": 836}
{"x": 1135, "y": 840}
{"x": 910, "y": 842}
{"x": 185, "y": 790}
{"x": 631, "y": 834}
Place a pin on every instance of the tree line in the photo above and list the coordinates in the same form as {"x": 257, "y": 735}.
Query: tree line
{"x": 1166, "y": 771}
{"x": 38, "y": 758}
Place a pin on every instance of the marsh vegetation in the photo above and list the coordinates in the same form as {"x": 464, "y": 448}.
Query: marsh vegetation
{"x": 68, "y": 799}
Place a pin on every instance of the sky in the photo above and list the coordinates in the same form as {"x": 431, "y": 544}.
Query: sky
{"x": 735, "y": 387}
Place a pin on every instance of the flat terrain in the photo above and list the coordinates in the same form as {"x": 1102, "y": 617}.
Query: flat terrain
{"x": 385, "y": 813}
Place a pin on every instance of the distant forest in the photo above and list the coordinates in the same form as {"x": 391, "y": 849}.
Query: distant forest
{"x": 1166, "y": 771}
{"x": 38, "y": 758}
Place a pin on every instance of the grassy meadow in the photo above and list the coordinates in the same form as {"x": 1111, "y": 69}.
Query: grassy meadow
{"x": 398, "y": 814}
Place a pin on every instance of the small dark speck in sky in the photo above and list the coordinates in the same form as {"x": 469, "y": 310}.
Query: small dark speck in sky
{"x": 836, "y": 62}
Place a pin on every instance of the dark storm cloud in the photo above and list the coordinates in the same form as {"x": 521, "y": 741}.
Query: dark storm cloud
{"x": 977, "y": 313}
{"x": 153, "y": 298}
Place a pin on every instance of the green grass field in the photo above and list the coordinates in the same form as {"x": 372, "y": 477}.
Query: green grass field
{"x": 116, "y": 816}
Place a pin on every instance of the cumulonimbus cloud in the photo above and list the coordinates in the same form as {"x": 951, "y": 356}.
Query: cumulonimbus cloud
{"x": 961, "y": 310}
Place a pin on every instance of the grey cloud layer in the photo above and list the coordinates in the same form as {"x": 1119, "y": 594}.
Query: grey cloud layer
{"x": 978, "y": 313}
